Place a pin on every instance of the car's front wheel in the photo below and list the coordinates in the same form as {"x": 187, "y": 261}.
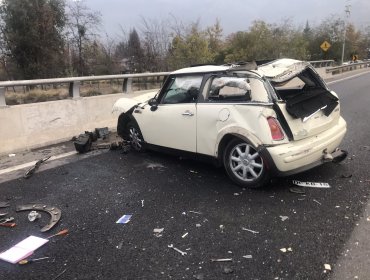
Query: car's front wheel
{"x": 135, "y": 137}
{"x": 244, "y": 165}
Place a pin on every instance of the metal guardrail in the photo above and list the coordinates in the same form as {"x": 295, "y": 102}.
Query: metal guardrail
{"x": 322, "y": 63}
{"x": 348, "y": 67}
{"x": 75, "y": 82}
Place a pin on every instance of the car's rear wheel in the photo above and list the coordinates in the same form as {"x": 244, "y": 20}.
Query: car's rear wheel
{"x": 244, "y": 165}
{"x": 135, "y": 137}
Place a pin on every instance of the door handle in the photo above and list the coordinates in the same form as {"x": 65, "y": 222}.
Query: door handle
{"x": 187, "y": 113}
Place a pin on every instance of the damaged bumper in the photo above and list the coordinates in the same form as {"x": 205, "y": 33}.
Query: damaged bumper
{"x": 307, "y": 153}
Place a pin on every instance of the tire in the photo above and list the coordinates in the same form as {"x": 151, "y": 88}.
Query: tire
{"x": 244, "y": 165}
{"x": 135, "y": 137}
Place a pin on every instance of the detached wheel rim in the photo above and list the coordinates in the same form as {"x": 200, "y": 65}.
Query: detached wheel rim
{"x": 245, "y": 162}
{"x": 135, "y": 139}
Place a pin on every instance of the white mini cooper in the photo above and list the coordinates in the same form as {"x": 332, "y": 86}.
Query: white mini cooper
{"x": 276, "y": 119}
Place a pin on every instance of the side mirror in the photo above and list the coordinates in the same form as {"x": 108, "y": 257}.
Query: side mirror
{"x": 153, "y": 103}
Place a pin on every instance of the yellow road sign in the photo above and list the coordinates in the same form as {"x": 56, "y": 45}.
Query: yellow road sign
{"x": 325, "y": 46}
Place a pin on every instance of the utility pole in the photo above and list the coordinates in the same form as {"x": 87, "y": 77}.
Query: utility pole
{"x": 348, "y": 13}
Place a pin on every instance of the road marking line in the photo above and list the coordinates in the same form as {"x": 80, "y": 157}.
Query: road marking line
{"x": 350, "y": 77}
{"x": 32, "y": 163}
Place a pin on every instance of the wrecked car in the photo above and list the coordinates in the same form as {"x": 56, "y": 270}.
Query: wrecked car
{"x": 259, "y": 122}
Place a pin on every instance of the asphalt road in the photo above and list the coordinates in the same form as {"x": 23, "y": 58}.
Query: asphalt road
{"x": 161, "y": 191}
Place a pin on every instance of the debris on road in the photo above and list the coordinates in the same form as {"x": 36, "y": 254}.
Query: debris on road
{"x": 318, "y": 202}
{"x": 195, "y": 212}
{"x": 198, "y": 225}
{"x": 6, "y": 220}
{"x": 124, "y": 219}
{"x": 177, "y": 250}
{"x": 158, "y": 232}
{"x": 252, "y": 231}
{"x": 222, "y": 227}
{"x": 222, "y": 260}
{"x": 23, "y": 249}
{"x": 184, "y": 235}
{"x": 346, "y": 176}
{"x": 4, "y": 204}
{"x": 54, "y": 212}
{"x": 297, "y": 190}
{"x": 3, "y": 214}
{"x": 33, "y": 216}
{"x": 327, "y": 267}
{"x": 199, "y": 276}
{"x": 247, "y": 256}
{"x": 60, "y": 274}
{"x": 11, "y": 155}
{"x": 142, "y": 203}
{"x": 33, "y": 169}
{"x": 227, "y": 270}
{"x": 284, "y": 218}
{"x": 8, "y": 225}
{"x": 311, "y": 184}
{"x": 62, "y": 232}
{"x": 28, "y": 261}
{"x": 284, "y": 250}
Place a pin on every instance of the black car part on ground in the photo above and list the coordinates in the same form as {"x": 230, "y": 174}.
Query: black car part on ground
{"x": 54, "y": 212}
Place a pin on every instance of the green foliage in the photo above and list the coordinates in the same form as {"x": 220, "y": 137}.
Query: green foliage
{"x": 191, "y": 49}
{"x": 32, "y": 36}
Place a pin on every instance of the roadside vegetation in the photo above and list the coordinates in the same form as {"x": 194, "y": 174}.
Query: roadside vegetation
{"x": 59, "y": 38}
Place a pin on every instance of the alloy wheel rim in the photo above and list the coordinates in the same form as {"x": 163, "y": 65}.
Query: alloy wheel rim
{"x": 245, "y": 162}
{"x": 135, "y": 139}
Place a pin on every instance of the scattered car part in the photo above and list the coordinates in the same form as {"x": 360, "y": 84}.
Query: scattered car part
{"x": 221, "y": 260}
{"x": 28, "y": 261}
{"x": 311, "y": 184}
{"x": 247, "y": 256}
{"x": 83, "y": 142}
{"x": 184, "y": 235}
{"x": 102, "y": 132}
{"x": 297, "y": 190}
{"x": 4, "y": 204}
{"x": 252, "y": 231}
{"x": 33, "y": 169}
{"x": 158, "y": 232}
{"x": 8, "y": 225}
{"x": 54, "y": 212}
{"x": 62, "y": 232}
{"x": 177, "y": 250}
{"x": 6, "y": 220}
{"x": 283, "y": 218}
{"x": 3, "y": 214}
{"x": 33, "y": 216}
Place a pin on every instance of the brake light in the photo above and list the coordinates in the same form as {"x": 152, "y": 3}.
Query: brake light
{"x": 275, "y": 128}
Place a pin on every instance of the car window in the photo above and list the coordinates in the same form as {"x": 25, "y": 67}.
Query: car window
{"x": 182, "y": 89}
{"x": 236, "y": 89}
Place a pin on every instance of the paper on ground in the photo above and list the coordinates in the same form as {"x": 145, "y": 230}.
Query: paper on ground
{"x": 124, "y": 219}
{"x": 311, "y": 184}
{"x": 23, "y": 249}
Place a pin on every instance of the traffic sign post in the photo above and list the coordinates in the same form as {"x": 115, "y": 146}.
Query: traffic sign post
{"x": 325, "y": 46}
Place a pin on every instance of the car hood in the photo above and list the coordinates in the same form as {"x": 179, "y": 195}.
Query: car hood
{"x": 282, "y": 70}
{"x": 124, "y": 104}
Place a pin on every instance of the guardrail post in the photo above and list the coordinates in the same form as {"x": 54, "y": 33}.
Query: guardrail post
{"x": 2, "y": 97}
{"x": 74, "y": 89}
{"x": 127, "y": 85}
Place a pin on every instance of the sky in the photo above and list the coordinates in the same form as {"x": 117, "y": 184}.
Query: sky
{"x": 234, "y": 15}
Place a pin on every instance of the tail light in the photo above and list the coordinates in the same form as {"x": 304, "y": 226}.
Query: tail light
{"x": 275, "y": 128}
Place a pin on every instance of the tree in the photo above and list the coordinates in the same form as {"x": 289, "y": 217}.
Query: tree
{"x": 190, "y": 49}
{"x": 82, "y": 23}
{"x": 32, "y": 36}
{"x": 135, "y": 52}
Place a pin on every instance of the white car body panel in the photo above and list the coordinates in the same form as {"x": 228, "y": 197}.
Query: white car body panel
{"x": 177, "y": 131}
{"x": 124, "y": 104}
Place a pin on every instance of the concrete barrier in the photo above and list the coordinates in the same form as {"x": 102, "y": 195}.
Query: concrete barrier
{"x": 23, "y": 127}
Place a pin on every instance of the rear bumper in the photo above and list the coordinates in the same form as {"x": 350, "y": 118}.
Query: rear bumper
{"x": 298, "y": 156}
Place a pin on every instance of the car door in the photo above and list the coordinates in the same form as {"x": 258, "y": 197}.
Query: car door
{"x": 173, "y": 123}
